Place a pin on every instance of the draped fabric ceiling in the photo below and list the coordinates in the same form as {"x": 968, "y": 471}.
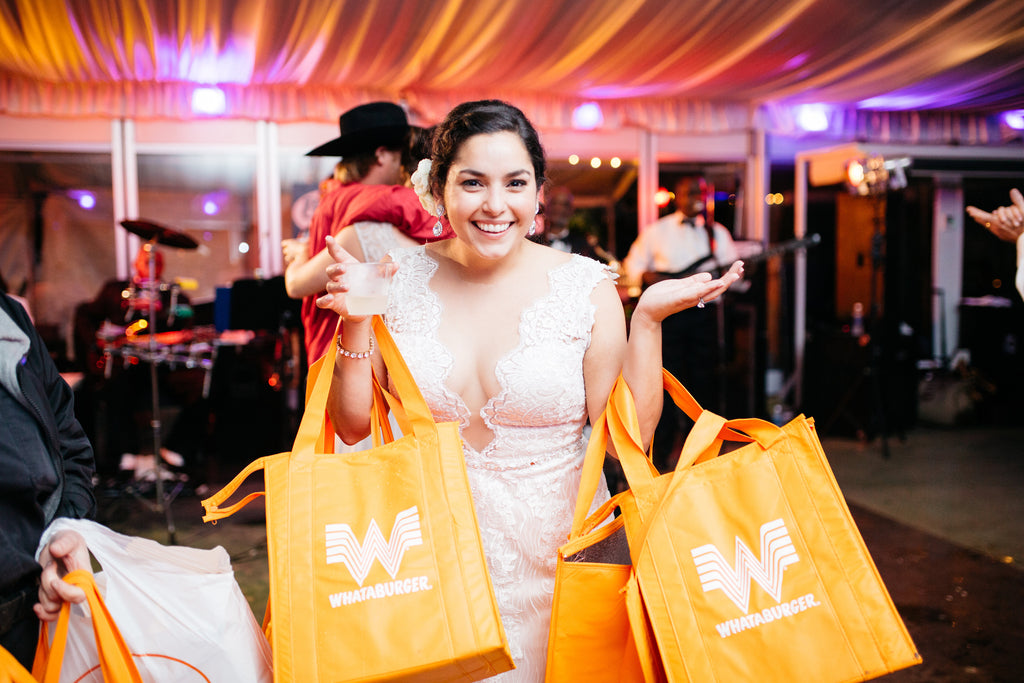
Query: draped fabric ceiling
{"x": 675, "y": 66}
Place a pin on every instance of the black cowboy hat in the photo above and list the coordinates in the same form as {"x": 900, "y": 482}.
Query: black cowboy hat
{"x": 365, "y": 128}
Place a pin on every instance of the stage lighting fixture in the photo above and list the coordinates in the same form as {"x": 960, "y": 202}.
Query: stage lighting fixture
{"x": 876, "y": 175}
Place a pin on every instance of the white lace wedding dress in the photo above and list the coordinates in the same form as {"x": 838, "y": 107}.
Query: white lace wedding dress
{"x": 524, "y": 482}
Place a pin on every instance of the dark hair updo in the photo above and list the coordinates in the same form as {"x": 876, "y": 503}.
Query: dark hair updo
{"x": 476, "y": 118}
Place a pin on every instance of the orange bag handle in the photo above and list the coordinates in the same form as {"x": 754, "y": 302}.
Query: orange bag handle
{"x": 636, "y": 466}
{"x": 703, "y": 443}
{"x": 11, "y": 670}
{"x": 380, "y": 427}
{"x": 314, "y": 434}
{"x": 212, "y": 504}
{"x": 116, "y": 661}
{"x": 624, "y": 427}
{"x": 420, "y": 420}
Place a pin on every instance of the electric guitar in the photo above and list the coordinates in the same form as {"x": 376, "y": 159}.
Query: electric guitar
{"x": 709, "y": 264}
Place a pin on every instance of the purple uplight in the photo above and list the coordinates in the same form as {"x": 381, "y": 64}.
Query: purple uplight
{"x": 208, "y": 100}
{"x": 812, "y": 117}
{"x": 210, "y": 208}
{"x": 587, "y": 116}
{"x": 1014, "y": 119}
{"x": 85, "y": 199}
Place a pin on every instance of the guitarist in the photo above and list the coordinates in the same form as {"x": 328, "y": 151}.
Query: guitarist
{"x": 683, "y": 242}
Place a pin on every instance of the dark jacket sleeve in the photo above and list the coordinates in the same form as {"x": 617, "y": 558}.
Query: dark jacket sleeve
{"x": 70, "y": 447}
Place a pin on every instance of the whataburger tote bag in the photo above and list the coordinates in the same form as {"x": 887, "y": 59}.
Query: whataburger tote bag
{"x": 749, "y": 563}
{"x": 376, "y": 568}
{"x": 589, "y": 638}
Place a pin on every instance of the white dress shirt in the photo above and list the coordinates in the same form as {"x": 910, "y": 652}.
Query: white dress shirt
{"x": 668, "y": 246}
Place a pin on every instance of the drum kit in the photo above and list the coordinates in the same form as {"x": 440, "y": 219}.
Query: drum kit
{"x": 170, "y": 347}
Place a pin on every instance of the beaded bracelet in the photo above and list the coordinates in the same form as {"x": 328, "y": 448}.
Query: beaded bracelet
{"x": 351, "y": 354}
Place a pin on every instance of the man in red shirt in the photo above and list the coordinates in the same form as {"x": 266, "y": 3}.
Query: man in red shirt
{"x": 372, "y": 146}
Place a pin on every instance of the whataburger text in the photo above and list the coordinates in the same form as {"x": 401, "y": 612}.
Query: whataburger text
{"x": 781, "y": 611}
{"x": 386, "y": 589}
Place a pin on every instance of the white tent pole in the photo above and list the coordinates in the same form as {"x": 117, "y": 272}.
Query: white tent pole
{"x": 758, "y": 172}
{"x": 117, "y": 192}
{"x": 273, "y": 230}
{"x": 262, "y": 197}
{"x": 800, "y": 280}
{"x": 131, "y": 195}
{"x": 647, "y": 178}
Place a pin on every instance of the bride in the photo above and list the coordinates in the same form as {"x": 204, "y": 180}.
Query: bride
{"x": 518, "y": 342}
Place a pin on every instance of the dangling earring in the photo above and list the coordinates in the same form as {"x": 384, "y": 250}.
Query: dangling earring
{"x": 533, "y": 228}
{"x": 438, "y": 228}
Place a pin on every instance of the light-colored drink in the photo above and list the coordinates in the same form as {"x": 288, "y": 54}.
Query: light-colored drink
{"x": 368, "y": 285}
{"x": 373, "y": 304}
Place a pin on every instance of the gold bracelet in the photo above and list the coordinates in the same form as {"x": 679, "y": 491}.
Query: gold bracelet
{"x": 351, "y": 354}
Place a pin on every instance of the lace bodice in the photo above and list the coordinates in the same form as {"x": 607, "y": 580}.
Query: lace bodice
{"x": 376, "y": 239}
{"x": 525, "y": 480}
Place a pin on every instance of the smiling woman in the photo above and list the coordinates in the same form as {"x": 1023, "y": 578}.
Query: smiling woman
{"x": 517, "y": 342}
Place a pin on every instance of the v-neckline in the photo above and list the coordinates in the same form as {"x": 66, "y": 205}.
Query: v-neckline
{"x": 449, "y": 359}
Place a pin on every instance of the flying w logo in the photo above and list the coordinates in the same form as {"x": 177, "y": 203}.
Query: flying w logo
{"x": 343, "y": 547}
{"x": 777, "y": 552}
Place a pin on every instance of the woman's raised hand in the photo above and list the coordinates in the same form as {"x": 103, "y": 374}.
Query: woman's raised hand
{"x": 664, "y": 298}
{"x": 1006, "y": 222}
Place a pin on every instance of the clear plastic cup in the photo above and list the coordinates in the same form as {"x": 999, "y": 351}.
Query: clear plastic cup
{"x": 368, "y": 285}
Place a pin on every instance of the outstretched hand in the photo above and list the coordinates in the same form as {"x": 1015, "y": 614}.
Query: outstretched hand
{"x": 1006, "y": 222}
{"x": 62, "y": 555}
{"x": 664, "y": 298}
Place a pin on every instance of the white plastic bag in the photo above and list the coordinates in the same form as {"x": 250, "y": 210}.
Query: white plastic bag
{"x": 180, "y": 610}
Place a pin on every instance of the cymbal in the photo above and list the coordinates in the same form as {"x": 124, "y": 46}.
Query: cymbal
{"x": 168, "y": 237}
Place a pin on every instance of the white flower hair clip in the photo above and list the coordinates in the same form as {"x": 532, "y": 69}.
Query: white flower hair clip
{"x": 421, "y": 183}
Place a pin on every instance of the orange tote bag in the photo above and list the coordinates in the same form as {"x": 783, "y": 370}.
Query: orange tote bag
{"x": 377, "y": 572}
{"x": 749, "y": 564}
{"x": 590, "y": 638}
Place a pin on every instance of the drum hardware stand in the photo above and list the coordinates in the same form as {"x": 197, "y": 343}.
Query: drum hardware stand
{"x": 163, "y": 502}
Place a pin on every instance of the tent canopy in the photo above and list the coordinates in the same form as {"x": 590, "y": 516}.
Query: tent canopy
{"x": 671, "y": 66}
